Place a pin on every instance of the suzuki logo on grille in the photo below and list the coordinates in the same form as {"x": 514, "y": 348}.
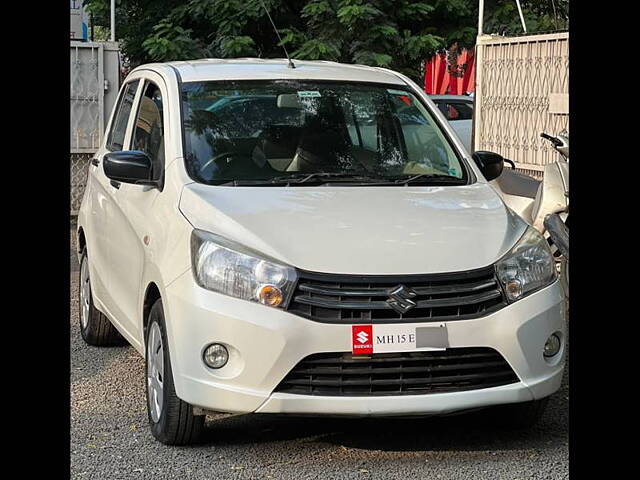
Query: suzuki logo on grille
{"x": 362, "y": 337}
{"x": 400, "y": 299}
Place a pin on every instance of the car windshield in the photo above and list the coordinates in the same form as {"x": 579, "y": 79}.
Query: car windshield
{"x": 272, "y": 131}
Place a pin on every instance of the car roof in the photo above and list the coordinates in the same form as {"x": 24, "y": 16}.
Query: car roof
{"x": 464, "y": 98}
{"x": 274, "y": 69}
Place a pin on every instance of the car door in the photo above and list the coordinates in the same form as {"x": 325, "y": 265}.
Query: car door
{"x": 101, "y": 191}
{"x": 132, "y": 221}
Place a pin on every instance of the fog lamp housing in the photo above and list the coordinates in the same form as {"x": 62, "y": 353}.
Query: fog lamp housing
{"x": 552, "y": 346}
{"x": 215, "y": 356}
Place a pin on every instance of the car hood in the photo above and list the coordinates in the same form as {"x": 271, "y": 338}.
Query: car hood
{"x": 361, "y": 230}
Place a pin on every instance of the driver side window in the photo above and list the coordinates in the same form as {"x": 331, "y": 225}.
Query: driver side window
{"x": 148, "y": 135}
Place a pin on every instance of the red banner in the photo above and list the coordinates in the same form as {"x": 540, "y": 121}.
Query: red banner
{"x": 450, "y": 73}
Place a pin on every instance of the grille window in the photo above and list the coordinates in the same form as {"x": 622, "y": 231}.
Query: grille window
{"x": 412, "y": 373}
{"x": 365, "y": 298}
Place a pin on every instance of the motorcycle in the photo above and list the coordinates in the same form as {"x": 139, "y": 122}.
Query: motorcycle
{"x": 559, "y": 234}
{"x": 543, "y": 204}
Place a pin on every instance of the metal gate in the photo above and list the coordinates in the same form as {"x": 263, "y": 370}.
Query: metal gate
{"x": 522, "y": 89}
{"x": 94, "y": 85}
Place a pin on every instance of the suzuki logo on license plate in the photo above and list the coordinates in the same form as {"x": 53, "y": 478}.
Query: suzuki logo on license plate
{"x": 362, "y": 339}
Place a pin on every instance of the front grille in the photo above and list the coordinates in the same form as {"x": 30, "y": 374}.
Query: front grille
{"x": 335, "y": 298}
{"x": 414, "y": 373}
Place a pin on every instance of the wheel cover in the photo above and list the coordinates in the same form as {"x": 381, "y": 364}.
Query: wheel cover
{"x": 155, "y": 372}
{"x": 85, "y": 293}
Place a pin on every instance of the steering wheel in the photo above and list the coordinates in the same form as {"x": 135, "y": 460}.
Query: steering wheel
{"x": 215, "y": 160}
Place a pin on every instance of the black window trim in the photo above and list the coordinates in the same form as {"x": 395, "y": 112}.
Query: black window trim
{"x": 145, "y": 82}
{"x": 117, "y": 111}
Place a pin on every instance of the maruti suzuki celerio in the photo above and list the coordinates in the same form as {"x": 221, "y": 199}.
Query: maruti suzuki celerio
{"x": 309, "y": 240}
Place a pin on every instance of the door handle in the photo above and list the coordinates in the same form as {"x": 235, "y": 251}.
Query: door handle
{"x": 114, "y": 183}
{"x": 95, "y": 162}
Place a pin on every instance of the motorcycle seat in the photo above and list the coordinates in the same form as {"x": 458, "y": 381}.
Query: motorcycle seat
{"x": 519, "y": 184}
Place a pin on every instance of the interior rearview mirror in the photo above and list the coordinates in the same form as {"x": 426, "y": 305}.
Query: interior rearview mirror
{"x": 288, "y": 100}
{"x": 489, "y": 163}
{"x": 129, "y": 166}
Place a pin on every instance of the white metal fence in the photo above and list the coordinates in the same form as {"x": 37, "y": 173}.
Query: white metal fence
{"x": 94, "y": 87}
{"x": 79, "y": 171}
{"x": 87, "y": 96}
{"x": 522, "y": 89}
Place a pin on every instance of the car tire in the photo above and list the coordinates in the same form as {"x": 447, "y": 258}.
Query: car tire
{"x": 171, "y": 419}
{"x": 95, "y": 327}
{"x": 521, "y": 416}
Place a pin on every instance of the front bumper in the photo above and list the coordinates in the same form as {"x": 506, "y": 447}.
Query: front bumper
{"x": 266, "y": 343}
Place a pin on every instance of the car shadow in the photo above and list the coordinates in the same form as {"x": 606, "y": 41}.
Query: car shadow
{"x": 475, "y": 431}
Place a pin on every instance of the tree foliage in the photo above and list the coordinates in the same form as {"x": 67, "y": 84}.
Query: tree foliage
{"x": 397, "y": 34}
{"x": 539, "y": 16}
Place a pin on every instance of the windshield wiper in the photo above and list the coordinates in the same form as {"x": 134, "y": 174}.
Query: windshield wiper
{"x": 298, "y": 178}
{"x": 429, "y": 178}
{"x": 304, "y": 178}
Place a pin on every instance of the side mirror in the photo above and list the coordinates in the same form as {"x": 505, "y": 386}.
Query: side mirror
{"x": 489, "y": 163}
{"x": 129, "y": 166}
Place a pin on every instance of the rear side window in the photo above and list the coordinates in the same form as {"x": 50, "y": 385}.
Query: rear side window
{"x": 148, "y": 135}
{"x": 456, "y": 110}
{"x": 115, "y": 141}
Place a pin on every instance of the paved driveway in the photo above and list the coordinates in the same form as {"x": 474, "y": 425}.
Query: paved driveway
{"x": 110, "y": 439}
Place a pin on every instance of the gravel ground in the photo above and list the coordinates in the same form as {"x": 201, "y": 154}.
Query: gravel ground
{"x": 110, "y": 438}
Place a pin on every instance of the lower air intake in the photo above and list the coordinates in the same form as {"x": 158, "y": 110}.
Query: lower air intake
{"x": 414, "y": 373}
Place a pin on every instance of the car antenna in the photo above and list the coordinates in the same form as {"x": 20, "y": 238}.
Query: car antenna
{"x": 291, "y": 65}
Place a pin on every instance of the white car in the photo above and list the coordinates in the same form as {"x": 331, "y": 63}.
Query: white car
{"x": 458, "y": 109}
{"x": 309, "y": 240}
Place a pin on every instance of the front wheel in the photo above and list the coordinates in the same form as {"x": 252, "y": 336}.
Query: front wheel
{"x": 172, "y": 420}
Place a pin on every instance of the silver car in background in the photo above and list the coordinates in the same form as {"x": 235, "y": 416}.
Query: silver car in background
{"x": 458, "y": 109}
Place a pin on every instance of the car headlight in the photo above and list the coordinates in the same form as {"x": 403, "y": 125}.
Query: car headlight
{"x": 527, "y": 267}
{"x": 227, "y": 267}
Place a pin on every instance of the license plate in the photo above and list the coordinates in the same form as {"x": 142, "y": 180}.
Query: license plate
{"x": 368, "y": 339}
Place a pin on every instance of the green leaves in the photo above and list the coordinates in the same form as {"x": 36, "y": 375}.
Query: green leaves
{"x": 351, "y": 13}
{"x": 384, "y": 31}
{"x": 420, "y": 46}
{"x": 240, "y": 46}
{"x": 317, "y": 50}
{"x": 399, "y": 34}
{"x": 372, "y": 58}
{"x": 502, "y": 17}
{"x": 171, "y": 42}
{"x": 415, "y": 9}
{"x": 316, "y": 8}
{"x": 368, "y": 32}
